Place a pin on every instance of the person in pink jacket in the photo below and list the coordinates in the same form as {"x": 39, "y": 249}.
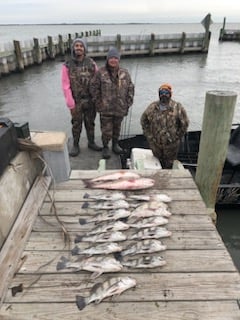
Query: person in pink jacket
{"x": 76, "y": 75}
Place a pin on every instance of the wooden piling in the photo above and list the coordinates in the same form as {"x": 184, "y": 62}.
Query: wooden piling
{"x": 61, "y": 45}
{"x": 151, "y": 45}
{"x": 183, "y": 42}
{"x": 18, "y": 53}
{"x": 222, "y": 29}
{"x": 37, "y": 53}
{"x": 207, "y": 21}
{"x": 50, "y": 48}
{"x": 216, "y": 128}
{"x": 118, "y": 42}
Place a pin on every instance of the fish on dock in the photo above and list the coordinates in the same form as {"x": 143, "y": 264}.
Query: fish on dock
{"x": 102, "y": 248}
{"x": 108, "y": 288}
{"x": 122, "y": 174}
{"x": 144, "y": 213}
{"x": 148, "y": 222}
{"x": 144, "y": 246}
{"x": 152, "y": 197}
{"x": 95, "y": 264}
{"x": 106, "y": 216}
{"x": 114, "y": 196}
{"x": 102, "y": 237}
{"x": 106, "y": 205}
{"x": 123, "y": 184}
{"x": 107, "y": 227}
{"x": 151, "y": 233}
{"x": 144, "y": 262}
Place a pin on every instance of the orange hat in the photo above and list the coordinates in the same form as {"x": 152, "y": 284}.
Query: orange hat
{"x": 166, "y": 86}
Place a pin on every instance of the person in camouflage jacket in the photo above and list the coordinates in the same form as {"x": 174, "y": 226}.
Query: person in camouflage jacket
{"x": 76, "y": 75}
{"x": 164, "y": 123}
{"x": 112, "y": 91}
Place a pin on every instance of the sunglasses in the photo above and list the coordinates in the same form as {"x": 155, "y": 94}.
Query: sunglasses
{"x": 164, "y": 93}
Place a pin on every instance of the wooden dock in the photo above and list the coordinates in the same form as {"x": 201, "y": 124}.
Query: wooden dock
{"x": 199, "y": 280}
{"x": 228, "y": 34}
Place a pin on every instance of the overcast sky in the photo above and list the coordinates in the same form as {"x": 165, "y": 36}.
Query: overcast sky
{"x": 116, "y": 11}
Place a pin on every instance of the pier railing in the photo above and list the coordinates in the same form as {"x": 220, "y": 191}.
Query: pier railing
{"x": 18, "y": 55}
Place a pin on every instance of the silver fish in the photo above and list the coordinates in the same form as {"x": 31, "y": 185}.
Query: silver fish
{"x": 145, "y": 246}
{"x": 95, "y": 264}
{"x": 102, "y": 237}
{"x": 106, "y": 197}
{"x": 106, "y": 205}
{"x": 152, "y": 197}
{"x": 108, "y": 288}
{"x": 154, "y": 221}
{"x": 124, "y": 184}
{"x": 102, "y": 248}
{"x": 140, "y": 212}
{"x": 151, "y": 233}
{"x": 107, "y": 227}
{"x": 122, "y": 174}
{"x": 106, "y": 216}
{"x": 144, "y": 262}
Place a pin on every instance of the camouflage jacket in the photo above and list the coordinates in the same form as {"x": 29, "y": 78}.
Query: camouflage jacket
{"x": 164, "y": 127}
{"x": 80, "y": 74}
{"x": 112, "y": 95}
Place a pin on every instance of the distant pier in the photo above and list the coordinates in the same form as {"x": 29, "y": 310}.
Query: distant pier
{"x": 16, "y": 56}
{"x": 229, "y": 34}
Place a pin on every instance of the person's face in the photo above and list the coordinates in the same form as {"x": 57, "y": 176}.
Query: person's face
{"x": 79, "y": 49}
{"x": 164, "y": 96}
{"x": 113, "y": 62}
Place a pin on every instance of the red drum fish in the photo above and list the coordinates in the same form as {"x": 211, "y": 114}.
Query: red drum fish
{"x": 123, "y": 184}
{"x": 116, "y": 176}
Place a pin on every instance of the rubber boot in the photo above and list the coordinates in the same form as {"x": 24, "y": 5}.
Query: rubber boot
{"x": 75, "y": 150}
{"x": 116, "y": 148}
{"x": 92, "y": 145}
{"x": 106, "y": 152}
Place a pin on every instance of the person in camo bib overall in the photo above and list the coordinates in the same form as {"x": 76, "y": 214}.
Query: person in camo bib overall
{"x": 112, "y": 91}
{"x": 76, "y": 75}
{"x": 164, "y": 123}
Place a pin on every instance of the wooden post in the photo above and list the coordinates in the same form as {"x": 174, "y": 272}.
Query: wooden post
{"x": 216, "y": 128}
{"x": 222, "y": 30}
{"x": 51, "y": 51}
{"x": 37, "y": 53}
{"x": 76, "y": 35}
{"x": 151, "y": 45}
{"x": 183, "y": 42}
{"x": 61, "y": 45}
{"x": 206, "y": 22}
{"x": 19, "y": 57}
{"x": 69, "y": 42}
{"x": 118, "y": 42}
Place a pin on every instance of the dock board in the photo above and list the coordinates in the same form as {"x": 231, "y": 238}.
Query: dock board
{"x": 199, "y": 280}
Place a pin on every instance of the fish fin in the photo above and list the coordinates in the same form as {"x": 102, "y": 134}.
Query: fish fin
{"x": 86, "y": 196}
{"x": 85, "y": 205}
{"x": 82, "y": 221}
{"x": 81, "y": 302}
{"x": 62, "y": 263}
{"x": 75, "y": 251}
{"x": 78, "y": 239}
{"x": 118, "y": 256}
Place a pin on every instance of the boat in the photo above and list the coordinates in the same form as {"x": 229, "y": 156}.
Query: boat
{"x": 229, "y": 187}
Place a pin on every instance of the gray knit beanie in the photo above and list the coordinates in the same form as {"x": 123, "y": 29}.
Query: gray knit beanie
{"x": 113, "y": 52}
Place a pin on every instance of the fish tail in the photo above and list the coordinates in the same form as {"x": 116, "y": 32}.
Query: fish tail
{"x": 75, "y": 251}
{"x": 86, "y": 196}
{"x": 85, "y": 205}
{"x": 81, "y": 302}
{"x": 82, "y": 221}
{"x": 88, "y": 183}
{"x": 78, "y": 239}
{"x": 62, "y": 263}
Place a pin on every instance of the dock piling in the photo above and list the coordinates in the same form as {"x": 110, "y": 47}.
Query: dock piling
{"x": 216, "y": 128}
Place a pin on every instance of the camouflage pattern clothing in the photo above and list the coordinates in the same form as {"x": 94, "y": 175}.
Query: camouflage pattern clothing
{"x": 164, "y": 129}
{"x": 80, "y": 73}
{"x": 113, "y": 95}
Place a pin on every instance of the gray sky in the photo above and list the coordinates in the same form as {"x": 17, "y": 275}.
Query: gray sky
{"x": 116, "y": 11}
